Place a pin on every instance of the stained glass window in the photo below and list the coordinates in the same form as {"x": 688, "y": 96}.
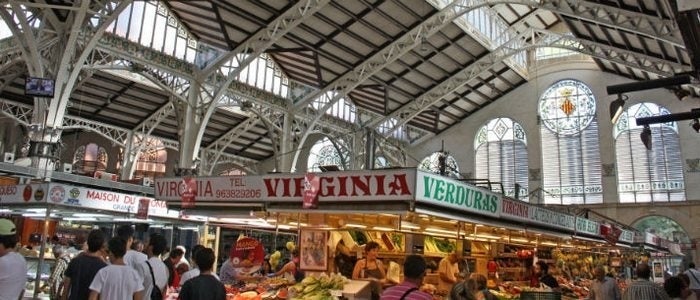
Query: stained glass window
{"x": 500, "y": 150}
{"x": 642, "y": 175}
{"x": 433, "y": 163}
{"x": 571, "y": 167}
{"x": 151, "y": 162}
{"x": 324, "y": 153}
{"x": 89, "y": 158}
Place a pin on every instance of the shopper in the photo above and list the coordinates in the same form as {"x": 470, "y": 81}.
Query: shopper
{"x": 82, "y": 269}
{"x": 542, "y": 272}
{"x": 481, "y": 290}
{"x": 205, "y": 286}
{"x": 13, "y": 266}
{"x": 603, "y": 287}
{"x": 171, "y": 262}
{"x": 154, "y": 270}
{"x": 463, "y": 290}
{"x": 194, "y": 272}
{"x": 117, "y": 281}
{"x": 413, "y": 273}
{"x": 643, "y": 288}
{"x": 694, "y": 276}
{"x": 448, "y": 271}
{"x": 56, "y": 277}
{"x": 687, "y": 294}
{"x": 132, "y": 258}
{"x": 183, "y": 259}
{"x": 371, "y": 268}
{"x": 674, "y": 287}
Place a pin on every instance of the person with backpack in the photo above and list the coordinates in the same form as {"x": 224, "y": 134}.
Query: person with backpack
{"x": 153, "y": 271}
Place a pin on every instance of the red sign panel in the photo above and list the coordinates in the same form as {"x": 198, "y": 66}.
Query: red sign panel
{"x": 189, "y": 185}
{"x": 312, "y": 185}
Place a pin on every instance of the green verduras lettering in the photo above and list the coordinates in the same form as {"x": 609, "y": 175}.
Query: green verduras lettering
{"x": 439, "y": 190}
{"x": 449, "y": 197}
{"x": 468, "y": 201}
{"x": 428, "y": 183}
{"x": 460, "y": 196}
{"x": 494, "y": 204}
{"x": 477, "y": 199}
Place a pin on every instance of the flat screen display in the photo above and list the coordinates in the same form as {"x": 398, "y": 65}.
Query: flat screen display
{"x": 39, "y": 87}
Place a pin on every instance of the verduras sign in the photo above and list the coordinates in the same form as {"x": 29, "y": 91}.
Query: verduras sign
{"x": 442, "y": 191}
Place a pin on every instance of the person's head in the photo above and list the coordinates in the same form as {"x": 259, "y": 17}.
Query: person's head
{"x": 674, "y": 286}
{"x": 95, "y": 240}
{"x": 372, "y": 248}
{"x": 182, "y": 268}
{"x": 204, "y": 259}
{"x": 156, "y": 244}
{"x": 643, "y": 271}
{"x": 117, "y": 247}
{"x": 176, "y": 254}
{"x": 455, "y": 257}
{"x": 126, "y": 232}
{"x": 181, "y": 247}
{"x": 541, "y": 268}
{"x": 599, "y": 273}
{"x": 137, "y": 245}
{"x": 414, "y": 268}
{"x": 463, "y": 291}
{"x": 58, "y": 251}
{"x": 691, "y": 265}
{"x": 685, "y": 278}
{"x": 8, "y": 236}
{"x": 196, "y": 248}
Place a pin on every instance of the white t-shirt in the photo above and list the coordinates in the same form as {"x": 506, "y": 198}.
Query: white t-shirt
{"x": 117, "y": 282}
{"x": 12, "y": 265}
{"x": 134, "y": 258}
{"x": 160, "y": 272}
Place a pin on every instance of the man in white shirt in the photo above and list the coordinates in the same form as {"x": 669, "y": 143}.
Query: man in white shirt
{"x": 448, "y": 271}
{"x": 694, "y": 276}
{"x": 154, "y": 265}
{"x": 116, "y": 281}
{"x": 12, "y": 264}
{"x": 132, "y": 258}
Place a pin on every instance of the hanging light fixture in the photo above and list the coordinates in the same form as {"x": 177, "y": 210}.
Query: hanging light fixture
{"x": 616, "y": 107}
{"x": 696, "y": 125}
{"x": 646, "y": 137}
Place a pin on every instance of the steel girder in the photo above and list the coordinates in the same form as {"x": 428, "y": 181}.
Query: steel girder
{"x": 526, "y": 40}
{"x": 22, "y": 113}
{"x": 615, "y": 17}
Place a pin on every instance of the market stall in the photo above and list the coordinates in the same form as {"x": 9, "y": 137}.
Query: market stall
{"x": 404, "y": 210}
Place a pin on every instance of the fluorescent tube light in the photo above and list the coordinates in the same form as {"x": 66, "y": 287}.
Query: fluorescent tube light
{"x": 409, "y": 225}
{"x": 87, "y": 219}
{"x": 355, "y": 225}
{"x": 382, "y": 228}
{"x": 438, "y": 230}
{"x": 297, "y": 224}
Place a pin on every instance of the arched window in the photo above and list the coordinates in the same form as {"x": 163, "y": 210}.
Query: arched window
{"x": 570, "y": 152}
{"x": 433, "y": 163}
{"x": 152, "y": 160}
{"x": 648, "y": 176}
{"x": 89, "y": 158}
{"x": 324, "y": 153}
{"x": 500, "y": 149}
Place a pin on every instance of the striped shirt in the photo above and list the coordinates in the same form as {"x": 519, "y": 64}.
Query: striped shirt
{"x": 395, "y": 292}
{"x": 56, "y": 278}
{"x": 604, "y": 290}
{"x": 646, "y": 290}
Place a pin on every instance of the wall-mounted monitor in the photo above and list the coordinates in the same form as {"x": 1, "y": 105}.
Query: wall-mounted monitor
{"x": 39, "y": 87}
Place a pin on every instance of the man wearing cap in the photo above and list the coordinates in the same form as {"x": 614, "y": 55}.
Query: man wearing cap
{"x": 13, "y": 265}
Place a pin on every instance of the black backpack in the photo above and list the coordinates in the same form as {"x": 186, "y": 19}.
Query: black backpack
{"x": 156, "y": 294}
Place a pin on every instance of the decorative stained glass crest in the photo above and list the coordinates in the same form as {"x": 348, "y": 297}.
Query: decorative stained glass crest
{"x": 567, "y": 107}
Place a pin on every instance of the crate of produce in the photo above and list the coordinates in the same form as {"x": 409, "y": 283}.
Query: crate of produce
{"x": 532, "y": 295}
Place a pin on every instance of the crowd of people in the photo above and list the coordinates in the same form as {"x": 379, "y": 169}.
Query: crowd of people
{"x": 114, "y": 268}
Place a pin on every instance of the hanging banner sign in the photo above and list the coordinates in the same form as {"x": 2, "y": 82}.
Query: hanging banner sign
{"x": 610, "y": 233}
{"x": 142, "y": 212}
{"x": 247, "y": 255}
{"x": 627, "y": 236}
{"x": 189, "y": 192}
{"x": 311, "y": 189}
{"x": 450, "y": 193}
{"x": 23, "y": 193}
{"x": 587, "y": 226}
{"x": 552, "y": 218}
{"x": 106, "y": 200}
{"x": 374, "y": 185}
{"x": 515, "y": 210}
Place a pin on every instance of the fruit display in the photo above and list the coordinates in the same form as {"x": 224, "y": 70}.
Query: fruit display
{"x": 318, "y": 288}
{"x": 275, "y": 259}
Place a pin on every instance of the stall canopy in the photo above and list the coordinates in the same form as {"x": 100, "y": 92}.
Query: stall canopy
{"x": 378, "y": 191}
